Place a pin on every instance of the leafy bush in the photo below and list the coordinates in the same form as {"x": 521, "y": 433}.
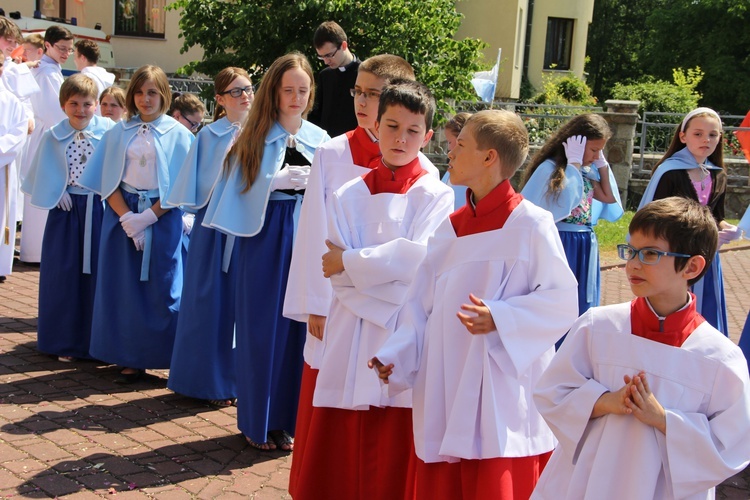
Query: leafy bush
{"x": 658, "y": 95}
{"x": 564, "y": 90}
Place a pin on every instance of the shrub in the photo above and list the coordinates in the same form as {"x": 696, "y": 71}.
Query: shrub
{"x": 658, "y": 95}
{"x": 565, "y": 90}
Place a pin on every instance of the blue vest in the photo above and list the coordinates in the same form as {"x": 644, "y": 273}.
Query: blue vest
{"x": 242, "y": 214}
{"x": 203, "y": 166}
{"x": 49, "y": 175}
{"x": 107, "y": 165}
{"x": 536, "y": 191}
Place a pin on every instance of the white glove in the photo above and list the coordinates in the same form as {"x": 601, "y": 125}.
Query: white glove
{"x": 137, "y": 223}
{"x": 600, "y": 161}
{"x": 575, "y": 147}
{"x": 139, "y": 240}
{"x": 187, "y": 223}
{"x": 66, "y": 202}
{"x": 729, "y": 233}
{"x": 291, "y": 177}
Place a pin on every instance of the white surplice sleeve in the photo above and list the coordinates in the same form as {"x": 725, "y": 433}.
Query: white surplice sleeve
{"x": 705, "y": 449}
{"x": 13, "y": 126}
{"x": 566, "y": 392}
{"x": 376, "y": 279}
{"x": 529, "y": 324}
{"x": 308, "y": 292}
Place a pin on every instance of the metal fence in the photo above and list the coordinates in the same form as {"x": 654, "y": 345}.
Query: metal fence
{"x": 655, "y": 130}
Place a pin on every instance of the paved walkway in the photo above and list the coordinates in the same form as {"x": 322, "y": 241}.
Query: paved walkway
{"x": 67, "y": 429}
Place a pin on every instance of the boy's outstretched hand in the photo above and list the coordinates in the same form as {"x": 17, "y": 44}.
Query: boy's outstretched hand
{"x": 481, "y": 323}
{"x": 333, "y": 260}
{"x": 644, "y": 405}
{"x": 384, "y": 371}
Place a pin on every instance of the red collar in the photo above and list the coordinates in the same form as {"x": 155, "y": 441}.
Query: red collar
{"x": 489, "y": 214}
{"x": 672, "y": 330}
{"x": 364, "y": 149}
{"x": 384, "y": 180}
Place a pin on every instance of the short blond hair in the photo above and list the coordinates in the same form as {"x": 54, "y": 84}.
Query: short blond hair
{"x": 504, "y": 132}
{"x": 78, "y": 84}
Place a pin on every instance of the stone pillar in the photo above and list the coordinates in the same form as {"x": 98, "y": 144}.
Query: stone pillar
{"x": 622, "y": 117}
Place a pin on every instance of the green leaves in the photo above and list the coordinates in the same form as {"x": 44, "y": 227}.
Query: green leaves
{"x": 253, "y": 33}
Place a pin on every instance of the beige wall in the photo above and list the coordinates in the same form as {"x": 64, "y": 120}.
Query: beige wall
{"x": 580, "y": 10}
{"x": 129, "y": 52}
{"x": 496, "y": 22}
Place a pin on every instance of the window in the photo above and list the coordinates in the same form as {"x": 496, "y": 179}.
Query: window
{"x": 559, "y": 43}
{"x": 140, "y": 18}
{"x": 51, "y": 8}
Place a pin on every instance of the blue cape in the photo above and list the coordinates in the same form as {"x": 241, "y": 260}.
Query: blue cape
{"x": 681, "y": 160}
{"x": 242, "y": 214}
{"x": 203, "y": 166}
{"x": 535, "y": 191}
{"x": 48, "y": 175}
{"x": 107, "y": 165}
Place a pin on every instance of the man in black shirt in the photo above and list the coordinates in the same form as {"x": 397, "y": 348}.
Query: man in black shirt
{"x": 334, "y": 105}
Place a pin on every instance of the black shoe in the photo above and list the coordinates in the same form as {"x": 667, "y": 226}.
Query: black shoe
{"x": 130, "y": 378}
{"x": 2, "y": 279}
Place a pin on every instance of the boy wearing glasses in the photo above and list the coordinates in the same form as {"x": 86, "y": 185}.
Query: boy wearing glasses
{"x": 646, "y": 398}
{"x": 336, "y": 162}
{"x": 333, "y": 110}
{"x": 58, "y": 45}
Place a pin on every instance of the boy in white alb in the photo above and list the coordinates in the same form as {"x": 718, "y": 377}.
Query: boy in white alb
{"x": 378, "y": 229}
{"x": 13, "y": 127}
{"x": 492, "y": 296}
{"x": 646, "y": 398}
{"x": 343, "y": 158}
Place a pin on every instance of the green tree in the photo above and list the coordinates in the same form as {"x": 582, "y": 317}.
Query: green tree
{"x": 252, "y": 33}
{"x": 712, "y": 34}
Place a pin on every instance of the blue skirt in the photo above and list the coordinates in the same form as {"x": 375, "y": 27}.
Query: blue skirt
{"x": 66, "y": 294}
{"x": 135, "y": 321}
{"x": 203, "y": 357}
{"x": 577, "y": 246}
{"x": 709, "y": 292}
{"x": 745, "y": 339}
{"x": 269, "y": 346}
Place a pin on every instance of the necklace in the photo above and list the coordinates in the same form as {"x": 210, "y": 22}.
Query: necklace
{"x": 704, "y": 174}
{"x": 144, "y": 131}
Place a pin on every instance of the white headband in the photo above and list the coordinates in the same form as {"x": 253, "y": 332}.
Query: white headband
{"x": 699, "y": 111}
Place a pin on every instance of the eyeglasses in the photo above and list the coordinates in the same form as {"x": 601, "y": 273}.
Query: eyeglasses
{"x": 237, "y": 91}
{"x": 64, "y": 50}
{"x": 648, "y": 256}
{"x": 330, "y": 54}
{"x": 193, "y": 126}
{"x": 370, "y": 96}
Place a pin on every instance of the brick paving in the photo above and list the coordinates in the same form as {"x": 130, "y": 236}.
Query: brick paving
{"x": 66, "y": 429}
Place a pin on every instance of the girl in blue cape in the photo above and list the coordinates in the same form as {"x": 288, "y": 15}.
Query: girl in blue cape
{"x": 571, "y": 178}
{"x": 70, "y": 244}
{"x": 140, "y": 264}
{"x": 257, "y": 200}
{"x": 203, "y": 364}
{"x": 693, "y": 167}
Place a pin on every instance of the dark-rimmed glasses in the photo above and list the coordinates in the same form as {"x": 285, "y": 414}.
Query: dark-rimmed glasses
{"x": 64, "y": 50}
{"x": 648, "y": 256}
{"x": 330, "y": 54}
{"x": 370, "y": 96}
{"x": 237, "y": 91}
{"x": 193, "y": 125}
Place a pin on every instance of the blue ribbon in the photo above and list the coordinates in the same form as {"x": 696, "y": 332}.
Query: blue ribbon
{"x": 87, "y": 225}
{"x": 227, "y": 257}
{"x": 144, "y": 203}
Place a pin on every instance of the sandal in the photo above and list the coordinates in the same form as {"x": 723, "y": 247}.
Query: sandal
{"x": 283, "y": 440}
{"x": 267, "y": 446}
{"x": 222, "y": 403}
{"x": 130, "y": 378}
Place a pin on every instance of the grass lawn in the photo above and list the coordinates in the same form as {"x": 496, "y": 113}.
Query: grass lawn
{"x": 611, "y": 234}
